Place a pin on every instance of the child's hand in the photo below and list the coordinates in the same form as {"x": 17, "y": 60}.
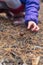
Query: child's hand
{"x": 32, "y": 25}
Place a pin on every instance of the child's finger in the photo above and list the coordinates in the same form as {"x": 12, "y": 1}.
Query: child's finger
{"x": 37, "y": 29}
{"x": 29, "y": 25}
{"x": 33, "y": 28}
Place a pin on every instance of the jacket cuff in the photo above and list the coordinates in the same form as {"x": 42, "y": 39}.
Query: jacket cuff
{"x": 34, "y": 19}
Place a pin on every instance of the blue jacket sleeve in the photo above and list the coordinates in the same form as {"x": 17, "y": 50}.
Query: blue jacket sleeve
{"x": 31, "y": 10}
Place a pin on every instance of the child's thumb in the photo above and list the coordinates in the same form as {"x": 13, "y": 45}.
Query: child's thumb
{"x": 29, "y": 25}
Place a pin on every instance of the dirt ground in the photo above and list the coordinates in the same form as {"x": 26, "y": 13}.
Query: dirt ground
{"x": 19, "y": 46}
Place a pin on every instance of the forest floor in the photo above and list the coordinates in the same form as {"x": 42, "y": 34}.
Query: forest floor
{"x": 19, "y": 46}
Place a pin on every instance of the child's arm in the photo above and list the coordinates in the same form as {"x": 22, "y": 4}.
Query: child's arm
{"x": 31, "y": 16}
